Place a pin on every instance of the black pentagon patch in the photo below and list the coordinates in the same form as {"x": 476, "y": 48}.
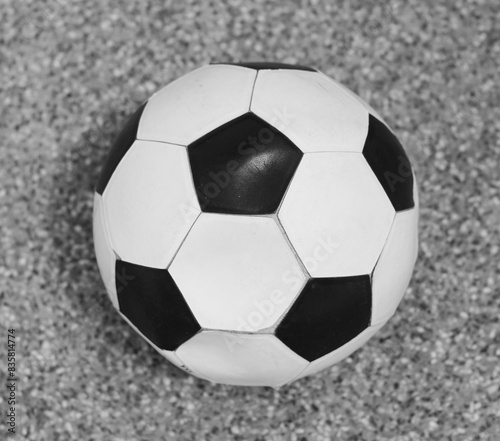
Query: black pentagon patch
{"x": 243, "y": 167}
{"x": 121, "y": 145}
{"x": 328, "y": 313}
{"x": 150, "y": 299}
{"x": 388, "y": 160}
{"x": 262, "y": 65}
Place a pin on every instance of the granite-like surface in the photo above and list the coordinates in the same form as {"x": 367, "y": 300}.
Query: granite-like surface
{"x": 70, "y": 71}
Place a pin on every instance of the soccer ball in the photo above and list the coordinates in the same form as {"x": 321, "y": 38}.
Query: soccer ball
{"x": 256, "y": 222}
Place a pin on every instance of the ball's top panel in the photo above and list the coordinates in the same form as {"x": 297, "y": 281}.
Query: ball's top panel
{"x": 389, "y": 162}
{"x": 196, "y": 104}
{"x": 265, "y": 65}
{"x": 336, "y": 214}
{"x": 339, "y": 354}
{"x": 313, "y": 111}
{"x": 243, "y": 167}
{"x": 150, "y": 203}
{"x": 120, "y": 147}
{"x": 150, "y": 299}
{"x": 237, "y": 272}
{"x": 394, "y": 268}
{"x": 241, "y": 359}
{"x": 328, "y": 313}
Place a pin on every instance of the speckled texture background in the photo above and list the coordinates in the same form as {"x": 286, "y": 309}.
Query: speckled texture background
{"x": 70, "y": 71}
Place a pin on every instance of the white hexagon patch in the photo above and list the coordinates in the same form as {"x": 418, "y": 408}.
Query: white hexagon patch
{"x": 196, "y": 104}
{"x": 314, "y": 111}
{"x": 150, "y": 203}
{"x": 336, "y": 214}
{"x": 237, "y": 272}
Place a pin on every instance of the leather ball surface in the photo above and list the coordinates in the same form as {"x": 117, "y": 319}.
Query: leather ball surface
{"x": 256, "y": 222}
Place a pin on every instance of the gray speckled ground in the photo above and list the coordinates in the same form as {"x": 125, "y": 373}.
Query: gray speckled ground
{"x": 70, "y": 71}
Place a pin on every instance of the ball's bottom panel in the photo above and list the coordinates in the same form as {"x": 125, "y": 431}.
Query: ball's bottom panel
{"x": 241, "y": 359}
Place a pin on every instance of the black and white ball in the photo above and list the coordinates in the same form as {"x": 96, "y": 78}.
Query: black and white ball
{"x": 256, "y": 223}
